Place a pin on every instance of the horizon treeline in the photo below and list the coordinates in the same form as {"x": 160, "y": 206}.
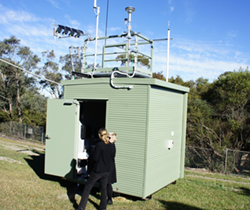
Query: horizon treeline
{"x": 218, "y": 112}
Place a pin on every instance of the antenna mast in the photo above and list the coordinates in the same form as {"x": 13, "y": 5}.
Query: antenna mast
{"x": 168, "y": 52}
{"x": 97, "y": 12}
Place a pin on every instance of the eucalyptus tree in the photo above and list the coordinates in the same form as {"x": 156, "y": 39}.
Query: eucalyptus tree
{"x": 67, "y": 61}
{"x": 56, "y": 70}
{"x": 230, "y": 97}
{"x": 142, "y": 60}
{"x": 34, "y": 108}
{"x": 13, "y": 81}
{"x": 159, "y": 75}
{"x": 51, "y": 71}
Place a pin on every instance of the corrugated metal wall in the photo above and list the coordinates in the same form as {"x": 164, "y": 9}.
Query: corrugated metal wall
{"x": 145, "y": 118}
{"x": 164, "y": 123}
{"x": 127, "y": 116}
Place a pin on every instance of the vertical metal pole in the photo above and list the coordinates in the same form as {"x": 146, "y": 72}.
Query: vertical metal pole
{"x": 183, "y": 135}
{"x": 107, "y": 14}
{"x": 225, "y": 162}
{"x": 168, "y": 55}
{"x": 103, "y": 55}
{"x": 96, "y": 35}
{"x": 126, "y": 62}
{"x": 129, "y": 10}
{"x": 152, "y": 54}
{"x": 136, "y": 55}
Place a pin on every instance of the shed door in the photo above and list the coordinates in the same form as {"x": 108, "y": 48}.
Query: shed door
{"x": 61, "y": 133}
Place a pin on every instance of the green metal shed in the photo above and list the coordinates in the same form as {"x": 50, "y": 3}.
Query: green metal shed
{"x": 149, "y": 116}
{"x": 150, "y": 120}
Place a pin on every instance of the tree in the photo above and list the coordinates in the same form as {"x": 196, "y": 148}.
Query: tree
{"x": 12, "y": 80}
{"x": 229, "y": 95}
{"x": 142, "y": 60}
{"x": 34, "y": 109}
{"x": 159, "y": 75}
{"x": 66, "y": 61}
{"x": 67, "y": 64}
{"x": 51, "y": 71}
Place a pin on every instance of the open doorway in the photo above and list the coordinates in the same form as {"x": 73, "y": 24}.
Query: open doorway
{"x": 92, "y": 117}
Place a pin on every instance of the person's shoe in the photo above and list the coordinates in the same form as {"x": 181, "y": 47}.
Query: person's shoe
{"x": 109, "y": 202}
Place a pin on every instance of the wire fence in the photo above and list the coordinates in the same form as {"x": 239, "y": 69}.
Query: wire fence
{"x": 228, "y": 161}
{"x": 23, "y": 131}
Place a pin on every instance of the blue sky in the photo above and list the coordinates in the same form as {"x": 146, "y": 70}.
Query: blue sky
{"x": 209, "y": 36}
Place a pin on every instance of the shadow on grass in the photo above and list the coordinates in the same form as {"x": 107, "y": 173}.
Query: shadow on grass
{"x": 244, "y": 191}
{"x": 73, "y": 189}
{"x": 37, "y": 164}
{"x": 169, "y": 205}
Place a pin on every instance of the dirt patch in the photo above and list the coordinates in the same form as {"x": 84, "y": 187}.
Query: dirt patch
{"x": 201, "y": 170}
{"x": 34, "y": 143}
{"x": 121, "y": 199}
{"x": 21, "y": 147}
{"x": 10, "y": 160}
{"x": 223, "y": 180}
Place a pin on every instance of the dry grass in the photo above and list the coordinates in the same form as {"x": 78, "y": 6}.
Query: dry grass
{"x": 25, "y": 186}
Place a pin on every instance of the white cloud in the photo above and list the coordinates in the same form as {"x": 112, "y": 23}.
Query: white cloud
{"x": 54, "y": 3}
{"x": 190, "y": 59}
{"x": 114, "y": 29}
{"x": 28, "y": 30}
{"x": 8, "y": 16}
{"x": 67, "y": 2}
{"x": 214, "y": 49}
{"x": 231, "y": 34}
{"x": 210, "y": 69}
{"x": 194, "y": 59}
{"x": 73, "y": 23}
{"x": 171, "y": 9}
{"x": 190, "y": 13}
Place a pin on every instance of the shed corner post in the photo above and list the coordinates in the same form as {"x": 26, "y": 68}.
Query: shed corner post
{"x": 183, "y": 136}
{"x": 144, "y": 192}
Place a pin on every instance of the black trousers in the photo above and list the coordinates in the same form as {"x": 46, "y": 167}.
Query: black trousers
{"x": 103, "y": 178}
{"x": 109, "y": 191}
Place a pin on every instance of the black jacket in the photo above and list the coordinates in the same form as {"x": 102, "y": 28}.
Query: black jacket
{"x": 112, "y": 176}
{"x": 102, "y": 157}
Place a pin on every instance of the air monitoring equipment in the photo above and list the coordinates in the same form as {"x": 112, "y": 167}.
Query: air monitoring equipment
{"x": 149, "y": 115}
{"x": 67, "y": 31}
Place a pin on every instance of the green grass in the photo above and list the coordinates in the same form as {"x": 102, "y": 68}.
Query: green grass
{"x": 25, "y": 186}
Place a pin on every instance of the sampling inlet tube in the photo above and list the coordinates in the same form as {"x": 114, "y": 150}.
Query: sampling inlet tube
{"x": 115, "y": 86}
{"x": 121, "y": 87}
{"x": 126, "y": 74}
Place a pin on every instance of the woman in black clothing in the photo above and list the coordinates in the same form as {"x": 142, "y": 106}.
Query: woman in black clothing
{"x": 112, "y": 175}
{"x": 102, "y": 157}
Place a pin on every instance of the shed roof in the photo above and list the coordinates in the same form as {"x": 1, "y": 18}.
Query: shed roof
{"x": 127, "y": 81}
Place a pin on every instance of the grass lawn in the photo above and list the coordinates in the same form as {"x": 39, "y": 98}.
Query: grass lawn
{"x": 23, "y": 185}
